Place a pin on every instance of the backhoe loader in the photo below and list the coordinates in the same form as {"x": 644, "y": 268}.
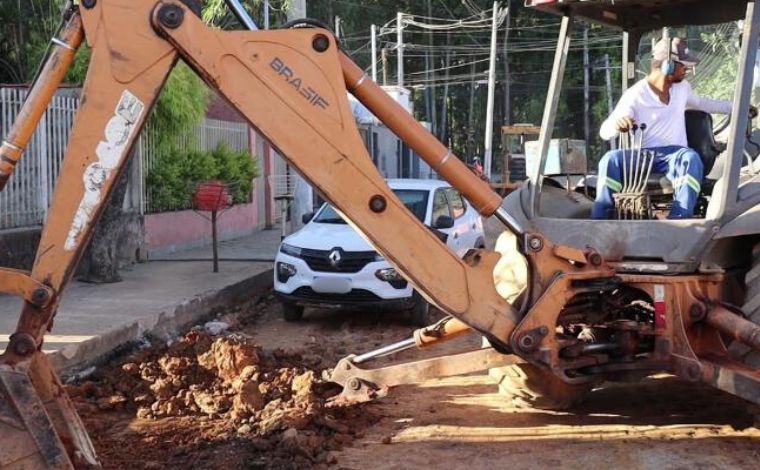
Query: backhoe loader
{"x": 575, "y": 301}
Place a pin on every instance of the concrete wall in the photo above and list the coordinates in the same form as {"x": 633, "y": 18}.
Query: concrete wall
{"x": 18, "y": 247}
{"x": 171, "y": 231}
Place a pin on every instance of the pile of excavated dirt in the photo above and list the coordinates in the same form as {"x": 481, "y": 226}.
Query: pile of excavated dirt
{"x": 271, "y": 399}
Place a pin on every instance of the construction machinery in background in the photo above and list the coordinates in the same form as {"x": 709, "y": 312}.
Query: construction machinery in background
{"x": 513, "y": 140}
{"x": 575, "y": 301}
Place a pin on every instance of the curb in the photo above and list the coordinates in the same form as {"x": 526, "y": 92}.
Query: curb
{"x": 164, "y": 323}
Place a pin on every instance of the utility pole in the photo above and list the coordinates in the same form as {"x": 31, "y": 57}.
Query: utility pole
{"x": 443, "y": 134}
{"x": 429, "y": 104}
{"x": 586, "y": 92}
{"x": 266, "y": 14}
{"x": 471, "y": 115}
{"x": 384, "y": 63}
{"x": 400, "y": 48}
{"x": 608, "y": 76}
{"x": 507, "y": 79}
{"x": 373, "y": 30}
{"x": 491, "y": 88}
{"x": 608, "y": 83}
{"x": 430, "y": 55}
{"x": 337, "y": 27}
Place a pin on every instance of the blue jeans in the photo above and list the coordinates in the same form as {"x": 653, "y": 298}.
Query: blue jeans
{"x": 683, "y": 167}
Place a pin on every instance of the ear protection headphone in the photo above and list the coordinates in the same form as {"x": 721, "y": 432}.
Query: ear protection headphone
{"x": 668, "y": 67}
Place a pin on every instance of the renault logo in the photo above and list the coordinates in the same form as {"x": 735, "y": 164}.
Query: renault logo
{"x": 335, "y": 257}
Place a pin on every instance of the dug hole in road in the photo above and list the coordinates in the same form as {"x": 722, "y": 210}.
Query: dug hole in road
{"x": 252, "y": 396}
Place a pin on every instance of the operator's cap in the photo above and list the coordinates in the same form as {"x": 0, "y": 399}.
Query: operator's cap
{"x": 678, "y": 52}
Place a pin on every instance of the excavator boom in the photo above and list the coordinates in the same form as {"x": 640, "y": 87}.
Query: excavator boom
{"x": 290, "y": 85}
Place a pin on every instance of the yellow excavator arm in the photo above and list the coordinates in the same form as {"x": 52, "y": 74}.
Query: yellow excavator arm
{"x": 291, "y": 86}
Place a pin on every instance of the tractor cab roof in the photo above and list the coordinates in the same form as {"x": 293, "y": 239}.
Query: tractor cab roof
{"x": 646, "y": 15}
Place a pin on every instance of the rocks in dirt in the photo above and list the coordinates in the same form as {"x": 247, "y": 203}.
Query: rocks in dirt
{"x": 224, "y": 376}
{"x": 270, "y": 400}
{"x": 208, "y": 403}
{"x": 248, "y": 400}
{"x": 303, "y": 386}
{"x": 218, "y": 399}
{"x": 174, "y": 366}
{"x": 229, "y": 355}
{"x": 162, "y": 389}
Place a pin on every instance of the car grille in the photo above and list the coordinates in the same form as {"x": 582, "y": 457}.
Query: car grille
{"x": 356, "y": 295}
{"x": 350, "y": 261}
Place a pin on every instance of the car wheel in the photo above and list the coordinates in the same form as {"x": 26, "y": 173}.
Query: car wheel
{"x": 420, "y": 311}
{"x": 291, "y": 311}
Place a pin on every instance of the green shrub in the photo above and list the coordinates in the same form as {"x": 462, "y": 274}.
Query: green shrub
{"x": 237, "y": 169}
{"x": 175, "y": 175}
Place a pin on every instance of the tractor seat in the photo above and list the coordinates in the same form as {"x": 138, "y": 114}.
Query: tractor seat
{"x": 700, "y": 137}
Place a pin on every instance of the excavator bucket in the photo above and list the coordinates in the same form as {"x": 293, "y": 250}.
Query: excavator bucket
{"x": 38, "y": 422}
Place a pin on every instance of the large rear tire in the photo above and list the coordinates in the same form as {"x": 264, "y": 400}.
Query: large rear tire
{"x": 751, "y": 309}
{"x": 529, "y": 386}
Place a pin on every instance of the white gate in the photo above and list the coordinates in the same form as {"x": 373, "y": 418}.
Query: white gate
{"x": 25, "y": 199}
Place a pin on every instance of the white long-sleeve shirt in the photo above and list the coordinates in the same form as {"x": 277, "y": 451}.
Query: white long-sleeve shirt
{"x": 666, "y": 124}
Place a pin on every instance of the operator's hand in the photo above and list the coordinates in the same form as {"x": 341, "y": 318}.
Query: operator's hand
{"x": 625, "y": 124}
{"x": 752, "y": 112}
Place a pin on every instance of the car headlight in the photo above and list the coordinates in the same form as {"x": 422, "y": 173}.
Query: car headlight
{"x": 388, "y": 275}
{"x": 290, "y": 250}
{"x": 392, "y": 277}
{"x": 285, "y": 271}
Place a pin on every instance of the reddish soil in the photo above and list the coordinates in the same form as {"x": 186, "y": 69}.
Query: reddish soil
{"x": 253, "y": 397}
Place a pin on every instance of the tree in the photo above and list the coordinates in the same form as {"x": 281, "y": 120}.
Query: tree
{"x": 26, "y": 27}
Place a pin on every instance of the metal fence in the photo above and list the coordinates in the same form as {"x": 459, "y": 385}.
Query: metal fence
{"x": 25, "y": 200}
{"x": 208, "y": 134}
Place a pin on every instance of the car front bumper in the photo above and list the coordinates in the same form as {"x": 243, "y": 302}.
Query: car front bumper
{"x": 363, "y": 287}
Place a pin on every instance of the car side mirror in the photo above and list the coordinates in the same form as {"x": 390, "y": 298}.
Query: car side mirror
{"x": 443, "y": 222}
{"x": 306, "y": 218}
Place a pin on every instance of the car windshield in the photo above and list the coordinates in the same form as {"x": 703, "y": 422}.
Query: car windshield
{"x": 415, "y": 200}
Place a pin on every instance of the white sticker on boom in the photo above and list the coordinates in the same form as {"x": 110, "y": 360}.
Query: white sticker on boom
{"x": 110, "y": 153}
{"x": 659, "y": 293}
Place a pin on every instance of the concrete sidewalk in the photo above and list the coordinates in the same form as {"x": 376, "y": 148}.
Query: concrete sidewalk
{"x": 155, "y": 298}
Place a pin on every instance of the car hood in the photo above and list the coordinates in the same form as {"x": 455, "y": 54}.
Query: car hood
{"x": 327, "y": 236}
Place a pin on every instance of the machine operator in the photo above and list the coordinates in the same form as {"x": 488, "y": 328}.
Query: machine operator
{"x": 660, "y": 101}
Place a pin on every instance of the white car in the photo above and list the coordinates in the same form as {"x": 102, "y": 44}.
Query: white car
{"x": 328, "y": 264}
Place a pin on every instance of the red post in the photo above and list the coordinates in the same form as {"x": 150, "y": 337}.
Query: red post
{"x": 213, "y": 196}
